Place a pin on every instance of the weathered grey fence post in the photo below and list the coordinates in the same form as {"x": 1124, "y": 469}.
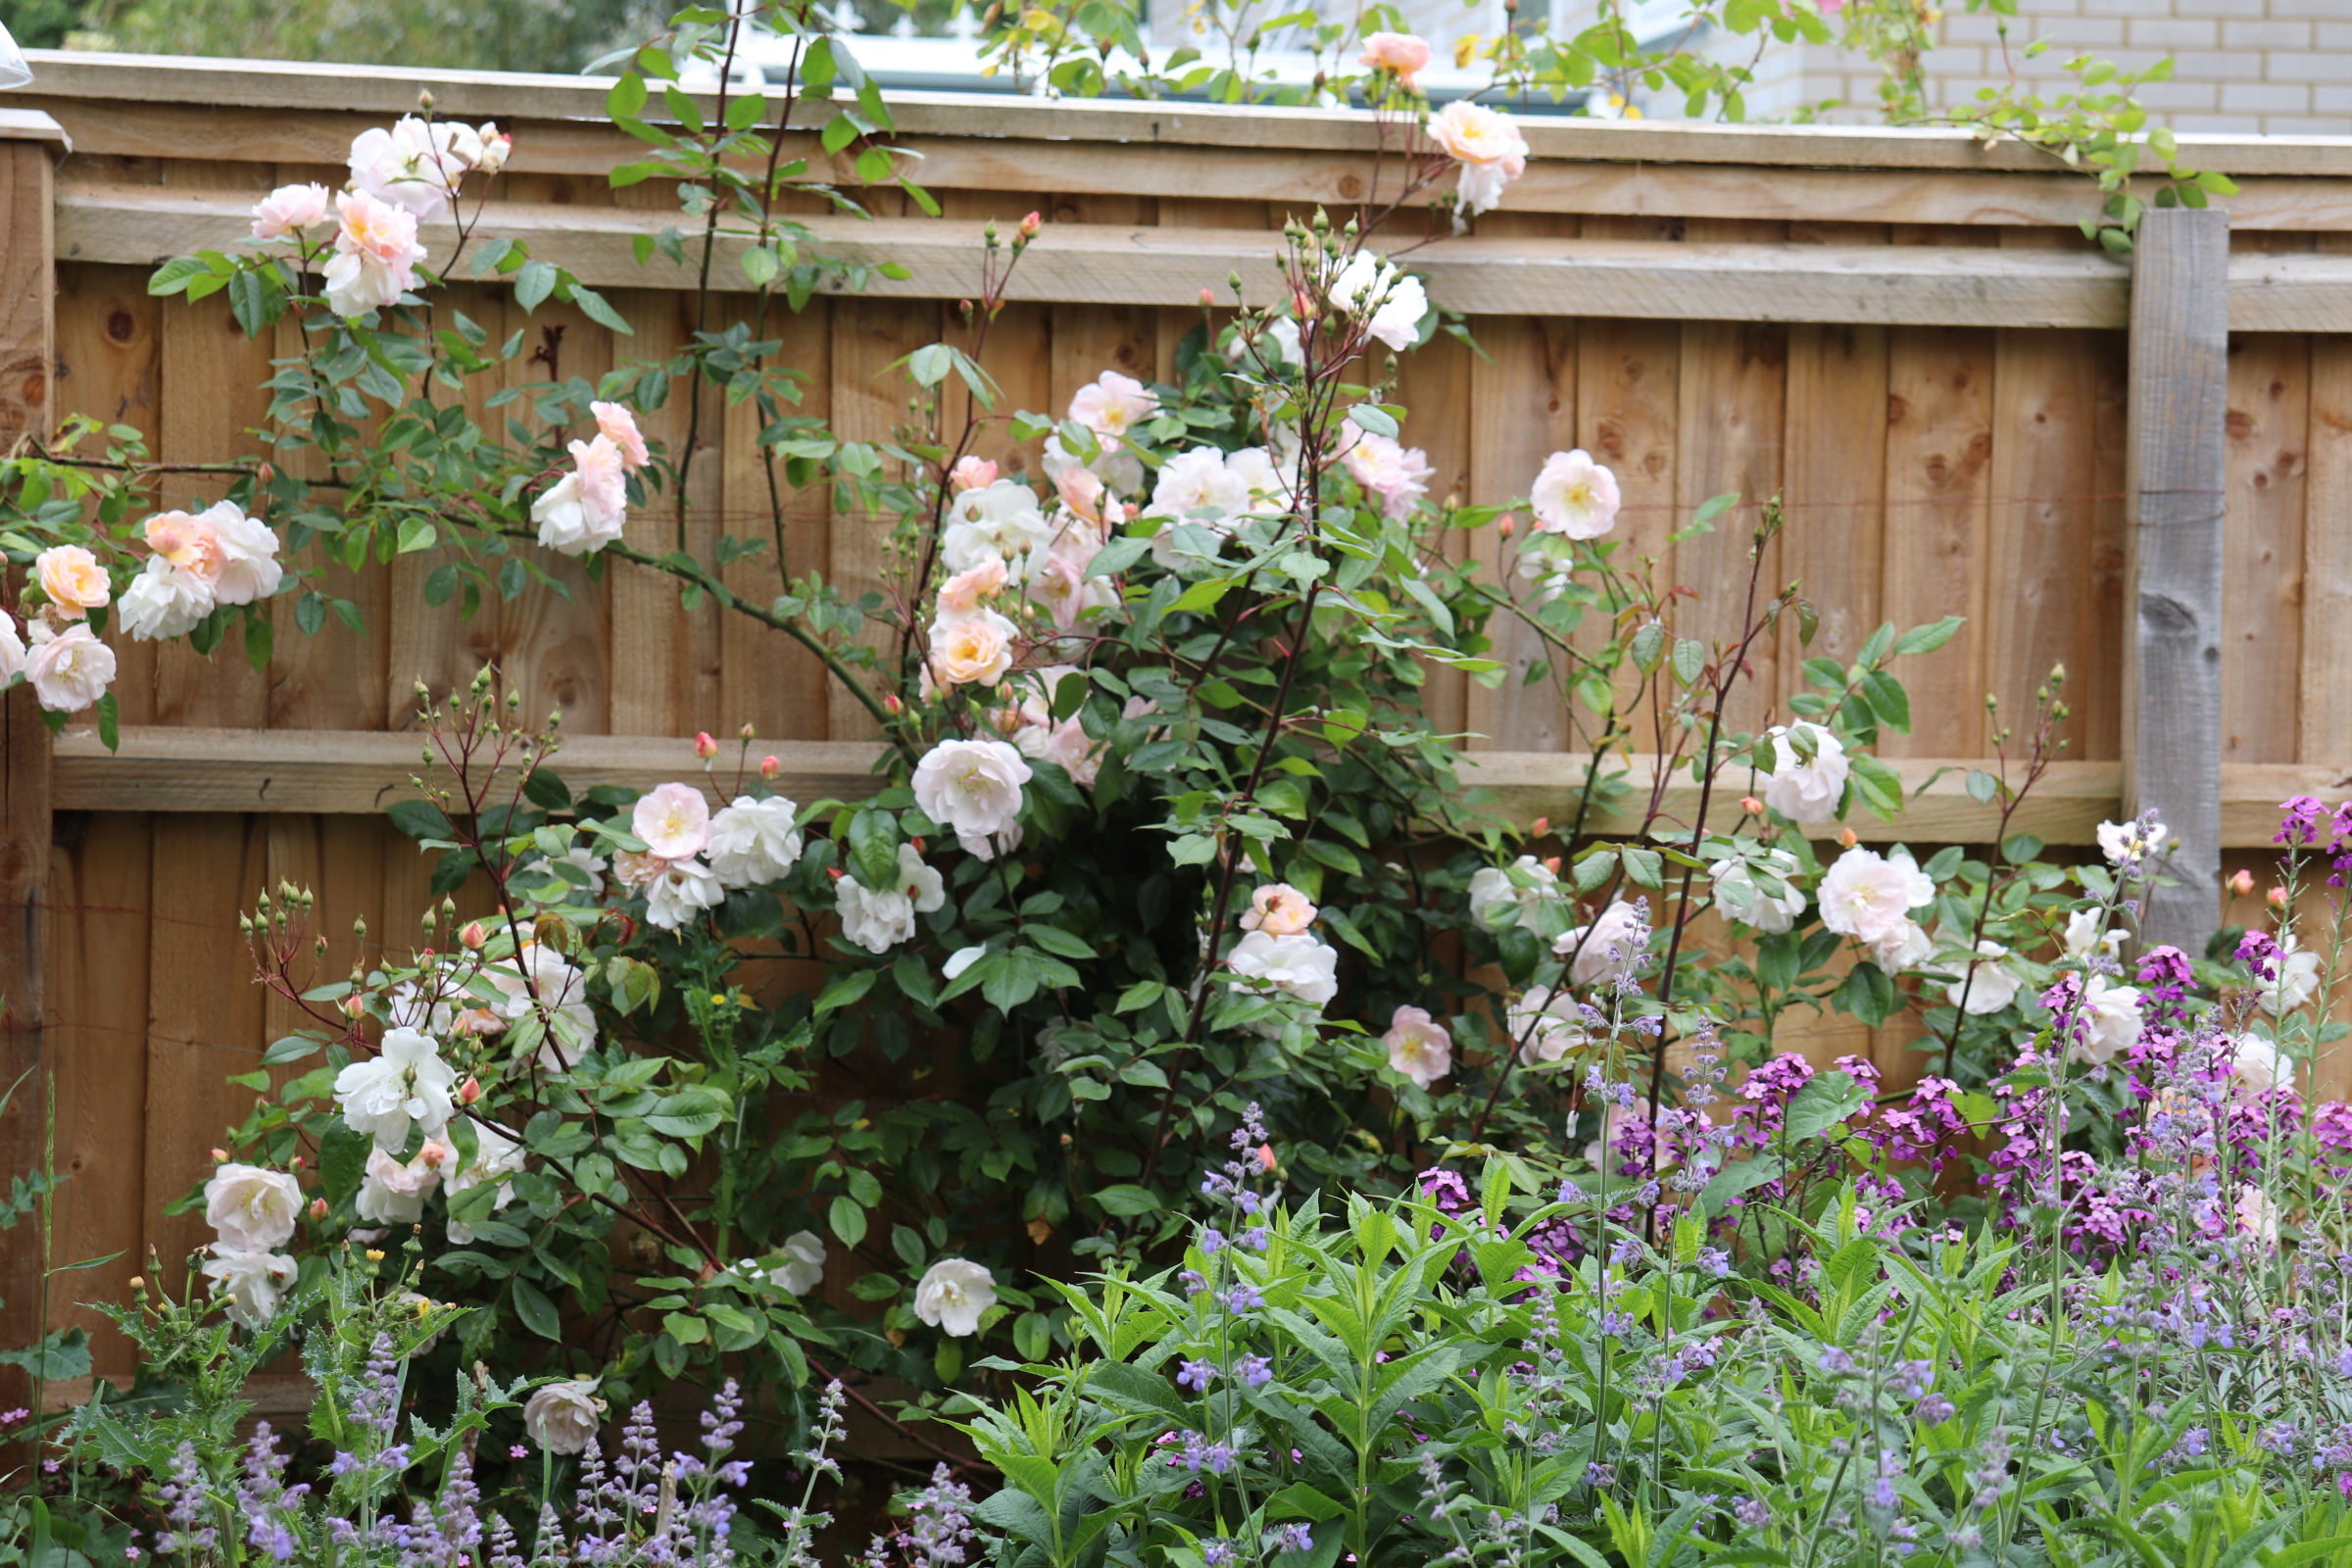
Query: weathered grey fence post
{"x": 28, "y": 369}
{"x": 2173, "y": 634}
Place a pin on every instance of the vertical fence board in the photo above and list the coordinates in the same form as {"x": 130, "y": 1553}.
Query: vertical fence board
{"x": 1837, "y": 520}
{"x": 2173, "y": 685}
{"x": 1939, "y": 449}
{"x": 2324, "y": 736}
{"x": 869, "y": 337}
{"x": 1733, "y": 384}
{"x": 769, "y": 681}
{"x": 1522, "y": 410}
{"x": 2262, "y": 548}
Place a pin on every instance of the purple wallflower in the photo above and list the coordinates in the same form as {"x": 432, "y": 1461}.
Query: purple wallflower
{"x": 2299, "y": 820}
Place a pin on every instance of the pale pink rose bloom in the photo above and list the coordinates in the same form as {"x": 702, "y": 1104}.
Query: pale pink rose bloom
{"x": 1060, "y": 584}
{"x": 976, "y": 649}
{"x": 251, "y": 1207}
{"x": 637, "y": 872}
{"x": 413, "y": 165}
{"x": 1081, "y": 490}
{"x": 1490, "y": 148}
{"x": 975, "y": 788}
{"x": 618, "y": 426}
{"x": 1398, "y": 52}
{"x": 11, "y": 649}
{"x": 289, "y": 209}
{"x": 1397, "y": 473}
{"x": 1279, "y": 909}
{"x": 248, "y": 551}
{"x": 1418, "y": 1046}
{"x": 191, "y": 543}
{"x": 1830, "y": 8}
{"x": 2257, "y": 1215}
{"x": 588, "y": 508}
{"x": 1615, "y": 946}
{"x": 1868, "y": 896}
{"x": 673, "y": 821}
{"x": 1113, "y": 403}
{"x": 497, "y": 148}
{"x": 961, "y": 594}
{"x": 69, "y": 669}
{"x": 971, "y": 473}
{"x": 1077, "y": 753}
{"x": 376, "y": 254}
{"x": 72, "y": 579}
{"x": 1575, "y": 496}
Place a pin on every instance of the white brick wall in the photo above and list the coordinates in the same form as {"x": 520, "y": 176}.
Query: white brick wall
{"x": 2277, "y": 66}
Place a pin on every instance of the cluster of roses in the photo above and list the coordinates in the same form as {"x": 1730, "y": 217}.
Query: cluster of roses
{"x": 694, "y": 856}
{"x": 1483, "y": 141}
{"x": 195, "y": 563}
{"x": 401, "y": 178}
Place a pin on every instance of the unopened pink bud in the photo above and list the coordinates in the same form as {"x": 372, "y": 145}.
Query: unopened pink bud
{"x": 1849, "y": 838}
{"x": 473, "y": 935}
{"x": 1507, "y": 524}
{"x": 2242, "y": 883}
{"x": 2277, "y": 898}
{"x": 219, "y": 1156}
{"x": 770, "y": 768}
{"x": 318, "y": 1208}
{"x": 892, "y": 703}
{"x": 704, "y": 746}
{"x": 1030, "y": 226}
{"x": 1208, "y": 299}
{"x": 469, "y": 1091}
{"x": 1265, "y": 1157}
{"x": 1540, "y": 826}
{"x": 747, "y": 734}
{"x": 1751, "y": 806}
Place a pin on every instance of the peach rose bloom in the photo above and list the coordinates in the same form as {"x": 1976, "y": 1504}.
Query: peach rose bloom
{"x": 971, "y": 473}
{"x": 620, "y": 427}
{"x": 971, "y": 652}
{"x": 1398, "y": 52}
{"x": 1279, "y": 909}
{"x": 961, "y": 594}
{"x": 1081, "y": 490}
{"x": 72, "y": 579}
{"x": 191, "y": 543}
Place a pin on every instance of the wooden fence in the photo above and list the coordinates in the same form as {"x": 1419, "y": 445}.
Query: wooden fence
{"x": 1902, "y": 331}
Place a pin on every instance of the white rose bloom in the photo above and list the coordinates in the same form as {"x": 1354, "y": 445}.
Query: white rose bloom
{"x": 69, "y": 669}
{"x": 1616, "y": 948}
{"x": 878, "y": 920}
{"x": 2083, "y": 933}
{"x": 2257, "y": 1215}
{"x": 2297, "y": 979}
{"x": 1906, "y": 946}
{"x": 1741, "y": 898}
{"x": 1868, "y": 895}
{"x": 561, "y": 1417}
{"x": 254, "y": 1280}
{"x": 1548, "y": 1024}
{"x": 753, "y": 841}
{"x": 952, "y": 1296}
{"x": 1806, "y": 792}
{"x": 250, "y": 1209}
{"x": 560, "y": 889}
{"x": 683, "y": 890}
{"x": 974, "y": 787}
{"x": 413, "y": 164}
{"x": 1992, "y": 986}
{"x": 1300, "y": 966}
{"x": 2129, "y": 841}
{"x": 497, "y": 1158}
{"x": 12, "y": 649}
{"x": 1197, "y": 485}
{"x": 248, "y": 569}
{"x": 1419, "y": 1046}
{"x": 406, "y": 1083}
{"x": 1396, "y": 302}
{"x": 162, "y": 602}
{"x": 803, "y": 1265}
{"x": 2257, "y": 1064}
{"x": 557, "y": 988}
{"x": 1495, "y": 900}
{"x": 393, "y": 1192}
{"x": 996, "y": 522}
{"x": 2110, "y": 1021}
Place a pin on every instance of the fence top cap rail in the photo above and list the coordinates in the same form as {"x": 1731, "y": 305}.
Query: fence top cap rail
{"x": 518, "y": 96}
{"x": 30, "y": 125}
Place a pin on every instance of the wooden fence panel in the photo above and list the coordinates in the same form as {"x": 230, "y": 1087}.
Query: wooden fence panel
{"x": 1901, "y": 333}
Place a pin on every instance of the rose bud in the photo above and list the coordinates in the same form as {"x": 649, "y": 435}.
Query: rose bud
{"x": 1540, "y": 826}
{"x": 1751, "y": 806}
{"x": 1030, "y": 226}
{"x": 1265, "y": 1157}
{"x": 919, "y": 846}
{"x": 1208, "y": 299}
{"x": 434, "y": 1154}
{"x": 2242, "y": 883}
{"x": 318, "y": 1208}
{"x": 1551, "y": 864}
{"x": 747, "y": 736}
{"x": 2277, "y": 898}
{"x": 352, "y": 1005}
{"x": 469, "y": 1091}
{"x": 295, "y": 1163}
{"x": 892, "y": 703}
{"x": 835, "y": 872}
{"x": 1848, "y": 837}
{"x": 1507, "y": 524}
{"x": 474, "y": 934}
{"x": 219, "y": 1156}
{"x": 704, "y": 746}
{"x": 770, "y": 768}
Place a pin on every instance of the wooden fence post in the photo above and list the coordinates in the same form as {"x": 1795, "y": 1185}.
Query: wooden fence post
{"x": 28, "y": 366}
{"x": 2180, "y": 374}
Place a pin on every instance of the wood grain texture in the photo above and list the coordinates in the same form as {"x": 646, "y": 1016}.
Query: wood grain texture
{"x": 100, "y": 905}
{"x": 769, "y": 681}
{"x": 1838, "y": 518}
{"x": 1939, "y": 448}
{"x": 868, "y": 405}
{"x": 2179, "y": 414}
{"x": 1522, "y": 410}
{"x": 27, "y": 354}
{"x": 2262, "y": 550}
{"x": 2323, "y": 737}
{"x": 1733, "y": 384}
{"x": 64, "y": 80}
{"x": 1128, "y": 266}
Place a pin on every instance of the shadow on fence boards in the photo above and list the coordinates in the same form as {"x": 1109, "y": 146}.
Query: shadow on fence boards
{"x": 2140, "y": 469}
